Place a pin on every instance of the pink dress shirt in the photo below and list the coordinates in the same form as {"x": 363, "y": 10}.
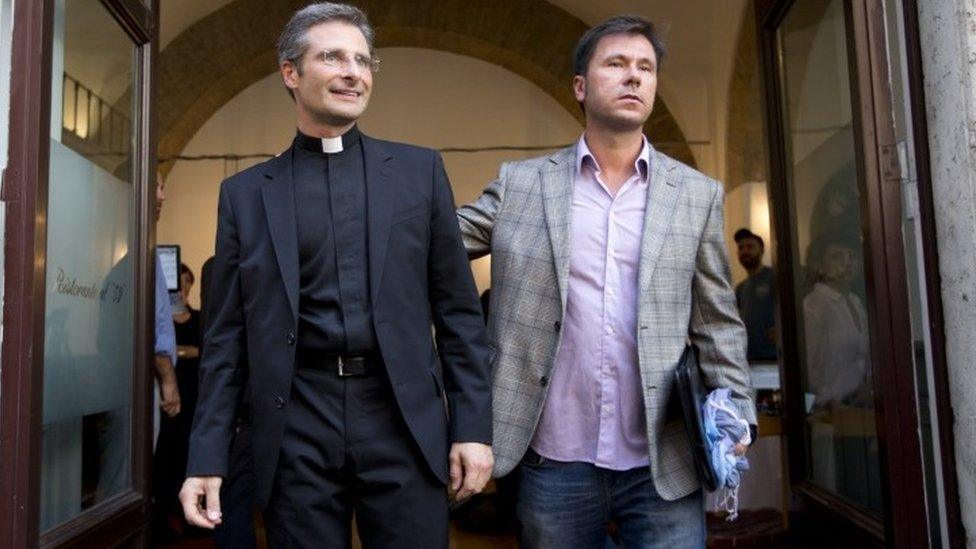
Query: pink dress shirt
{"x": 594, "y": 411}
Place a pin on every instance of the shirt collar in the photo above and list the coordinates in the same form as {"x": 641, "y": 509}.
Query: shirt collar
{"x": 641, "y": 165}
{"x": 830, "y": 292}
{"x": 315, "y": 144}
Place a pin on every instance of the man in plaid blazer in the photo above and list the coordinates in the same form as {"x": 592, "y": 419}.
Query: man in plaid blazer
{"x": 607, "y": 256}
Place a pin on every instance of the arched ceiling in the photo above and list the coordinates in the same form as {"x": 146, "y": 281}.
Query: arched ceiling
{"x": 227, "y": 49}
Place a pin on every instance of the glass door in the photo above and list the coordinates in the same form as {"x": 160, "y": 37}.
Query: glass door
{"x": 77, "y": 421}
{"x": 847, "y": 361}
{"x": 89, "y": 309}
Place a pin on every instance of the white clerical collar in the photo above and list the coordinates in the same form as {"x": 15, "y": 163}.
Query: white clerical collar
{"x": 328, "y": 145}
{"x": 332, "y": 144}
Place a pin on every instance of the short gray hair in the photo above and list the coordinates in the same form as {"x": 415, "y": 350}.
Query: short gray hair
{"x": 293, "y": 42}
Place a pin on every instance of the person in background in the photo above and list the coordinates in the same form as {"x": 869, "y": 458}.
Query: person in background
{"x": 756, "y": 296}
{"x": 165, "y": 340}
{"x": 169, "y": 465}
{"x": 843, "y": 442}
{"x": 169, "y": 397}
{"x": 835, "y": 324}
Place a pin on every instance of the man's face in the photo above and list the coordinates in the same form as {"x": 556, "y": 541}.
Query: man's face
{"x": 331, "y": 94}
{"x": 750, "y": 253}
{"x": 620, "y": 82}
{"x": 160, "y": 197}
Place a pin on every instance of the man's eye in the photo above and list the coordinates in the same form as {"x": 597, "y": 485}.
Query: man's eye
{"x": 363, "y": 62}
{"x": 331, "y": 57}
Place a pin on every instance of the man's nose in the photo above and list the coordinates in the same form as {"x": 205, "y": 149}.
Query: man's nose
{"x": 351, "y": 69}
{"x": 634, "y": 76}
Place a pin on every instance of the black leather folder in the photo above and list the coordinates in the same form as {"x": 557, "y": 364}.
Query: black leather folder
{"x": 692, "y": 394}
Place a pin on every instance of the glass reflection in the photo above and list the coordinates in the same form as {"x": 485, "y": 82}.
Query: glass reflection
{"x": 823, "y": 188}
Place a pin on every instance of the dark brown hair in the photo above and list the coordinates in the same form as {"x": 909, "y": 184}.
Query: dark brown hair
{"x": 622, "y": 24}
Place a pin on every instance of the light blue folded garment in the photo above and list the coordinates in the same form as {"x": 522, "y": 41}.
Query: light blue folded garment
{"x": 725, "y": 429}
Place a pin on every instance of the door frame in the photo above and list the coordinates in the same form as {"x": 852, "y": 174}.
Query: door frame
{"x": 25, "y": 192}
{"x": 905, "y": 521}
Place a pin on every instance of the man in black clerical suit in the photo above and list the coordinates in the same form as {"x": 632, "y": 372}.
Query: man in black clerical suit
{"x": 332, "y": 262}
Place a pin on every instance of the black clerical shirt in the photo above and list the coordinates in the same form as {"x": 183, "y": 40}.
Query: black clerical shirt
{"x": 334, "y": 313}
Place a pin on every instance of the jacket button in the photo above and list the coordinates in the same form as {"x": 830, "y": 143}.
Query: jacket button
{"x": 290, "y": 338}
{"x": 556, "y": 325}
{"x": 544, "y": 381}
{"x": 279, "y": 402}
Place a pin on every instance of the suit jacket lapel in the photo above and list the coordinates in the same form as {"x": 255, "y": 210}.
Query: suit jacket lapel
{"x": 380, "y": 196}
{"x": 662, "y": 195}
{"x": 557, "y": 197}
{"x": 279, "y": 206}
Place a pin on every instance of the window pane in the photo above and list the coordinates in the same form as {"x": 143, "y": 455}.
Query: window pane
{"x": 89, "y": 314}
{"x": 825, "y": 218}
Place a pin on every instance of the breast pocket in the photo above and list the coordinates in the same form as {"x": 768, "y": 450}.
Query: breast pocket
{"x": 410, "y": 213}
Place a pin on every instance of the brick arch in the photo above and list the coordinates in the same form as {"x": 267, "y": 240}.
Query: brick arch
{"x": 219, "y": 56}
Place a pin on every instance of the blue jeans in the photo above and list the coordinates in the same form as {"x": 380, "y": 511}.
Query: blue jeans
{"x": 569, "y": 505}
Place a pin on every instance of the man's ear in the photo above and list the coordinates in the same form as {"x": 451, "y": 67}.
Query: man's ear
{"x": 289, "y": 73}
{"x": 579, "y": 88}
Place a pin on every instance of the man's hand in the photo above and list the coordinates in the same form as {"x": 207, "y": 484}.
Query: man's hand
{"x": 740, "y": 449}
{"x": 169, "y": 392}
{"x": 169, "y": 397}
{"x": 471, "y": 464}
{"x": 206, "y": 489}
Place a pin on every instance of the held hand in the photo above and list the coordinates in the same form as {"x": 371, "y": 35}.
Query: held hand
{"x": 207, "y": 490}
{"x": 740, "y": 449}
{"x": 471, "y": 464}
{"x": 170, "y": 397}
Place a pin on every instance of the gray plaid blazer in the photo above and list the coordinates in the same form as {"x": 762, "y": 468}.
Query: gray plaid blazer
{"x": 523, "y": 220}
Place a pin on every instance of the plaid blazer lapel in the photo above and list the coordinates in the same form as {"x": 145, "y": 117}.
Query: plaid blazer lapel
{"x": 662, "y": 196}
{"x": 556, "y": 180}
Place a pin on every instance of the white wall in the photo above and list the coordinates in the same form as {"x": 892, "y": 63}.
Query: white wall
{"x": 948, "y": 44}
{"x": 420, "y": 96}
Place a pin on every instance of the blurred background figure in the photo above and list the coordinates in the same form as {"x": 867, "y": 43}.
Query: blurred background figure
{"x": 840, "y": 399}
{"x": 169, "y": 463}
{"x": 756, "y": 296}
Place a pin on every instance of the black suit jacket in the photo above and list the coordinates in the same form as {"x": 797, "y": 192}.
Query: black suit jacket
{"x": 418, "y": 273}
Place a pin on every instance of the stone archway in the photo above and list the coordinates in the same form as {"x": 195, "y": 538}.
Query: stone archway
{"x": 223, "y": 53}
{"x": 745, "y": 157}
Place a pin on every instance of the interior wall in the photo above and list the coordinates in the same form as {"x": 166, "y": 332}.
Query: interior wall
{"x": 418, "y": 97}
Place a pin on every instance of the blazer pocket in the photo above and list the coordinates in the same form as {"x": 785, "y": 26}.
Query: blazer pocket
{"x": 407, "y": 214}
